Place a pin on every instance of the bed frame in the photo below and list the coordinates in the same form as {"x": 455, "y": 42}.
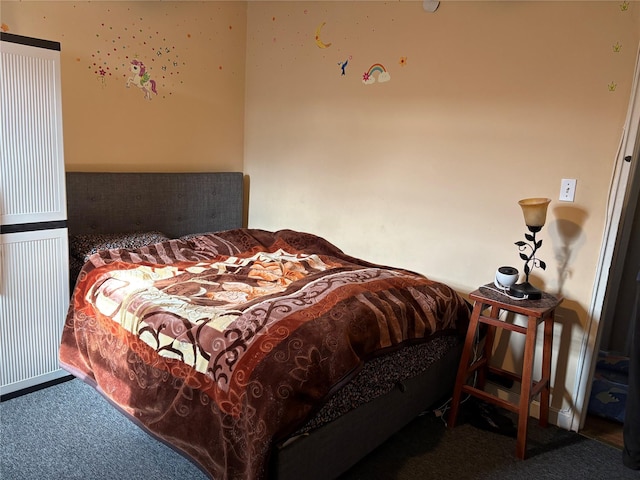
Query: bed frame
{"x": 175, "y": 204}
{"x": 182, "y": 203}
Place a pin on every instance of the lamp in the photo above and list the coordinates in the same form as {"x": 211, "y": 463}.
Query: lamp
{"x": 535, "y": 215}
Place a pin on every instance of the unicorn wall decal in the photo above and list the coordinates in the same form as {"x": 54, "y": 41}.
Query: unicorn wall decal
{"x": 141, "y": 79}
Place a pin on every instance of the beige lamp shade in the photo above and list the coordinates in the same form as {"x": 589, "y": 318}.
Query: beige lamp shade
{"x": 535, "y": 211}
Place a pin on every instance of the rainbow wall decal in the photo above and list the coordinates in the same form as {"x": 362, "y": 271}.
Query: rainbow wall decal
{"x": 383, "y": 76}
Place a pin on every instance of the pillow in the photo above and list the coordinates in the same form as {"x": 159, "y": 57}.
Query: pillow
{"x": 83, "y": 246}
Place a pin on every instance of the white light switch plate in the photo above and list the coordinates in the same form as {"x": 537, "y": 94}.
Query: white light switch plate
{"x": 567, "y": 189}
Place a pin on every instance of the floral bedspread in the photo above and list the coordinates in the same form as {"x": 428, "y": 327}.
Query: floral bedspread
{"x": 224, "y": 343}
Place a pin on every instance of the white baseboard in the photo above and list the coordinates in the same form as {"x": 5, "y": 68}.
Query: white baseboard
{"x": 560, "y": 418}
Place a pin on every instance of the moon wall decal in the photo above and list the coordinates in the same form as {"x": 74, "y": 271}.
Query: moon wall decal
{"x": 319, "y": 42}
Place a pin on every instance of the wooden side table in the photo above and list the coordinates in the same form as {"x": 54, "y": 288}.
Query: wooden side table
{"x": 488, "y": 298}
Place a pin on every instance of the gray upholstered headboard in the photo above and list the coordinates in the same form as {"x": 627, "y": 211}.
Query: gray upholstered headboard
{"x": 173, "y": 203}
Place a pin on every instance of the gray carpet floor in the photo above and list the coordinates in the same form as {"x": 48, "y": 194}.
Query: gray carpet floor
{"x": 68, "y": 431}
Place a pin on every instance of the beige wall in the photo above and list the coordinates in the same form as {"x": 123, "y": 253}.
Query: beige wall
{"x": 195, "y": 53}
{"x": 496, "y": 101}
{"x": 493, "y": 102}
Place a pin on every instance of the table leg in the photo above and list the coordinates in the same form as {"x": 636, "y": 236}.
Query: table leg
{"x": 462, "y": 374}
{"x": 546, "y": 371}
{"x": 525, "y": 388}
{"x": 488, "y": 348}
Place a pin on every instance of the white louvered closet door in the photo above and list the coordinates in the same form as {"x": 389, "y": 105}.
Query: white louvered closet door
{"x": 33, "y": 306}
{"x": 34, "y": 285}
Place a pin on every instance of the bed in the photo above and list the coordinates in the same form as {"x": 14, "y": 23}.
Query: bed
{"x": 255, "y": 354}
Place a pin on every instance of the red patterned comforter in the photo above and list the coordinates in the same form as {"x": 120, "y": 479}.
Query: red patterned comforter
{"x": 222, "y": 344}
